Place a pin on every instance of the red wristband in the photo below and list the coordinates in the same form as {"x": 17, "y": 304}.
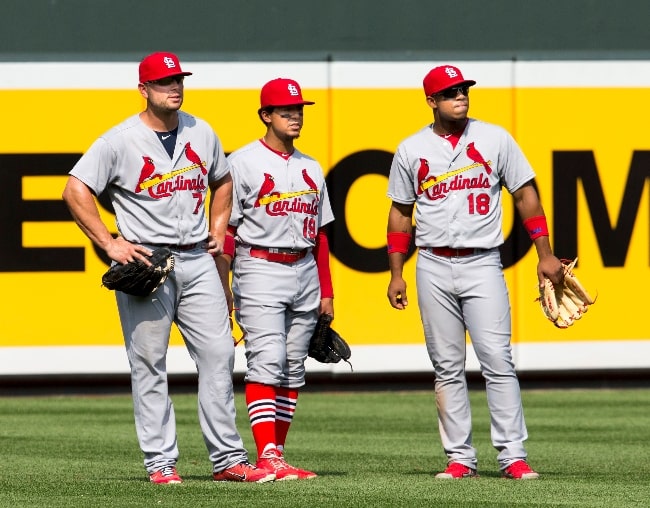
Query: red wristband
{"x": 229, "y": 246}
{"x": 536, "y": 226}
{"x": 398, "y": 242}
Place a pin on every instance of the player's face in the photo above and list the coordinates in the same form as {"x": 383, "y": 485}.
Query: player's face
{"x": 287, "y": 121}
{"x": 452, "y": 104}
{"x": 164, "y": 95}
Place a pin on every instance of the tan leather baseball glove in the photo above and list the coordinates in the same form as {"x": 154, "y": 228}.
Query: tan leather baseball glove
{"x": 564, "y": 304}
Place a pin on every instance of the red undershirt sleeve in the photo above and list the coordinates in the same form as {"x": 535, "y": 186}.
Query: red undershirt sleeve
{"x": 321, "y": 253}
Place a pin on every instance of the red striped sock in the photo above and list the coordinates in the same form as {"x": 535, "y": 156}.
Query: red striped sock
{"x": 286, "y": 400}
{"x": 260, "y": 400}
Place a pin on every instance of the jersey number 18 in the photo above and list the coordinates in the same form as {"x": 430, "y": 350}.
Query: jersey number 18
{"x": 479, "y": 204}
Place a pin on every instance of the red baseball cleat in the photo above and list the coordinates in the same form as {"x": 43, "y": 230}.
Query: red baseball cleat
{"x": 244, "y": 472}
{"x": 456, "y": 471}
{"x": 520, "y": 470}
{"x": 167, "y": 474}
{"x": 274, "y": 461}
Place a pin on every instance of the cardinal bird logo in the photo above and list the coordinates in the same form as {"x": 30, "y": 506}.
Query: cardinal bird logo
{"x": 423, "y": 171}
{"x": 147, "y": 171}
{"x": 475, "y": 155}
{"x": 265, "y": 190}
{"x": 308, "y": 180}
{"x": 193, "y": 157}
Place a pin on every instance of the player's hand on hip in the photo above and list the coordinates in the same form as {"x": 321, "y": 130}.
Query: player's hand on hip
{"x": 123, "y": 251}
{"x": 397, "y": 293}
{"x": 215, "y": 246}
{"x": 551, "y": 267}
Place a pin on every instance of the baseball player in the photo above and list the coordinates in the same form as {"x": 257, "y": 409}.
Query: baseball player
{"x": 453, "y": 171}
{"x": 157, "y": 167}
{"x": 281, "y": 280}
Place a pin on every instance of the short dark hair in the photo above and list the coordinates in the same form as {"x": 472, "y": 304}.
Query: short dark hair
{"x": 267, "y": 109}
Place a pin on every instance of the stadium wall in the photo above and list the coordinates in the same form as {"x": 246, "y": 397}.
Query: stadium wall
{"x": 577, "y": 108}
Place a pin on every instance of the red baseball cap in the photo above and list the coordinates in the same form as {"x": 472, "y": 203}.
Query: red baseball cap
{"x": 160, "y": 65}
{"x": 282, "y": 92}
{"x": 443, "y": 77}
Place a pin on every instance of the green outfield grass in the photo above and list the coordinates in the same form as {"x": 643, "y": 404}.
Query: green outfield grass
{"x": 371, "y": 449}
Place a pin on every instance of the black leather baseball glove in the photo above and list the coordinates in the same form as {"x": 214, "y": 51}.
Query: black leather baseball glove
{"x": 327, "y": 346}
{"x": 135, "y": 278}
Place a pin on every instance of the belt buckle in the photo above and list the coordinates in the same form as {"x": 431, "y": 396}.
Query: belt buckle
{"x": 282, "y": 251}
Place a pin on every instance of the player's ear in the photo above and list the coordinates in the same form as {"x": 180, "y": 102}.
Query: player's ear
{"x": 142, "y": 88}
{"x": 265, "y": 115}
{"x": 431, "y": 102}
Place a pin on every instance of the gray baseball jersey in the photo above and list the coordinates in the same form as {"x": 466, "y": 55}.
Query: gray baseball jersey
{"x": 277, "y": 201}
{"x": 458, "y": 191}
{"x": 164, "y": 188}
{"x": 161, "y": 200}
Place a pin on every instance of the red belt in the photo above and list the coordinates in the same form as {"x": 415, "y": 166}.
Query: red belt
{"x": 278, "y": 255}
{"x": 448, "y": 252}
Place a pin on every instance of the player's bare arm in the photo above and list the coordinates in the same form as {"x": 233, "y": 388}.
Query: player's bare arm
{"x": 220, "y": 208}
{"x": 528, "y": 205}
{"x": 223, "y": 267}
{"x": 399, "y": 221}
{"x": 83, "y": 207}
{"x": 326, "y": 306}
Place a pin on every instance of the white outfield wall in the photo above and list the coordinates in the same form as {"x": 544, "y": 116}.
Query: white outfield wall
{"x": 100, "y": 360}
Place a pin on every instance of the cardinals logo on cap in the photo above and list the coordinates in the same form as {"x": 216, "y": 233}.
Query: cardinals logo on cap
{"x": 169, "y": 62}
{"x": 451, "y": 72}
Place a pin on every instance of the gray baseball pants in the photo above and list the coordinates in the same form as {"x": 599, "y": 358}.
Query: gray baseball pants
{"x": 469, "y": 294}
{"x": 193, "y": 299}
